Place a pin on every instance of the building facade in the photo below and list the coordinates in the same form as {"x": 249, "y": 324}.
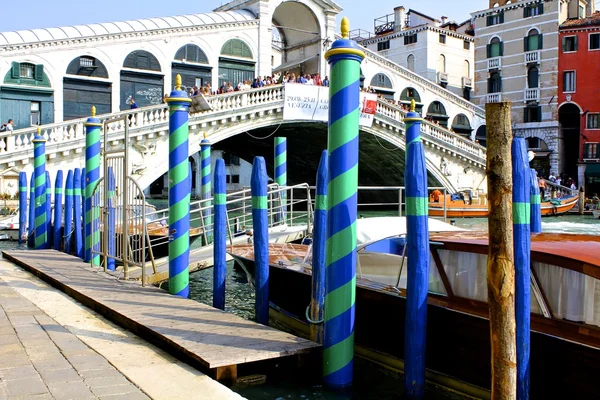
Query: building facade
{"x": 437, "y": 49}
{"x": 516, "y": 60}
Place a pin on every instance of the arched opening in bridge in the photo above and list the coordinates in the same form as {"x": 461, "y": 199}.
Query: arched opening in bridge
{"x": 302, "y": 42}
{"x": 236, "y": 63}
{"x": 541, "y": 161}
{"x": 569, "y": 119}
{"x": 382, "y": 85}
{"x": 80, "y": 94}
{"x": 192, "y": 64}
{"x": 436, "y": 113}
{"x": 480, "y": 136}
{"x": 409, "y": 94}
{"x": 462, "y": 126}
{"x": 142, "y": 81}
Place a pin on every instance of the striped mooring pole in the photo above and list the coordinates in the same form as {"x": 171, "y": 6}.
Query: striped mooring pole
{"x": 417, "y": 253}
{"x": 205, "y": 189}
{"x": 521, "y": 176}
{"x": 31, "y": 225}
{"x": 220, "y": 235}
{"x": 281, "y": 175}
{"x": 179, "y": 192}
{"x": 260, "y": 226}
{"x": 92, "y": 168}
{"x": 83, "y": 212}
{"x": 68, "y": 214}
{"x": 345, "y": 58}
{"x": 536, "y": 205}
{"x": 317, "y": 300}
{"x": 112, "y": 219}
{"x": 77, "y": 228}
{"x": 22, "y": 206}
{"x": 58, "y": 210}
{"x": 49, "y": 232}
{"x": 39, "y": 165}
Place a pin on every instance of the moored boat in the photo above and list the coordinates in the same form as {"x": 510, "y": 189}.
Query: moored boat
{"x": 9, "y": 226}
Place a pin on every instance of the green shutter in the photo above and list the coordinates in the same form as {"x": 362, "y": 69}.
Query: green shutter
{"x": 490, "y": 85}
{"x": 526, "y": 12}
{"x": 540, "y": 41}
{"x": 539, "y": 113}
{"x": 564, "y": 44}
{"x": 488, "y": 48}
{"x": 502, "y": 17}
{"x": 540, "y": 8}
{"x": 16, "y": 70}
{"x": 501, "y": 49}
{"x": 39, "y": 72}
{"x": 526, "y": 43}
{"x": 488, "y": 21}
{"x": 575, "y": 40}
{"x": 525, "y": 115}
{"x": 499, "y": 84}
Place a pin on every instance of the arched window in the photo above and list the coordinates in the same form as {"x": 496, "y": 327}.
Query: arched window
{"x": 87, "y": 66}
{"x": 467, "y": 69}
{"x": 461, "y": 124}
{"x": 436, "y": 112}
{"x": 495, "y": 83}
{"x": 381, "y": 80}
{"x": 277, "y": 38}
{"x": 495, "y": 48}
{"x": 533, "y": 40}
{"x": 191, "y": 53}
{"x": 533, "y": 78}
{"x": 140, "y": 59}
{"x": 410, "y": 62}
{"x": 442, "y": 63}
{"x": 236, "y": 48}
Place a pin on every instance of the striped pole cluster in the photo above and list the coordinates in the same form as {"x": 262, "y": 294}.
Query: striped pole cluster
{"x": 417, "y": 253}
{"x": 220, "y": 236}
{"x": 112, "y": 219}
{"x": 58, "y": 210}
{"x": 281, "y": 174}
{"x": 340, "y": 278}
{"x": 521, "y": 175}
{"x": 68, "y": 214}
{"x": 22, "y": 206}
{"x": 536, "y": 205}
{"x": 32, "y": 209}
{"x": 39, "y": 165}
{"x": 92, "y": 176}
{"x": 77, "y": 228}
{"x": 317, "y": 300}
{"x": 260, "y": 225}
{"x": 205, "y": 163}
{"x": 49, "y": 232}
{"x": 179, "y": 193}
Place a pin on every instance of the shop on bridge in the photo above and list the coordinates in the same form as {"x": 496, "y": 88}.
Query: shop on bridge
{"x": 410, "y": 94}
{"x": 436, "y": 112}
{"x": 141, "y": 80}
{"x": 193, "y": 66}
{"x": 462, "y": 126}
{"x": 382, "y": 85}
{"x": 86, "y": 85}
{"x": 26, "y": 96}
{"x": 236, "y": 63}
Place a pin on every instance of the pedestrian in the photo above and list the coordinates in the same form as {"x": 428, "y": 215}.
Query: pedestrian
{"x": 7, "y": 127}
{"x": 326, "y": 81}
{"x": 132, "y": 104}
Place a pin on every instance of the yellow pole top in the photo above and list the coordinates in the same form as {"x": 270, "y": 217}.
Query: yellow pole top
{"x": 93, "y": 111}
{"x": 39, "y": 131}
{"x": 345, "y": 28}
{"x": 413, "y": 105}
{"x": 204, "y": 135}
{"x": 178, "y": 82}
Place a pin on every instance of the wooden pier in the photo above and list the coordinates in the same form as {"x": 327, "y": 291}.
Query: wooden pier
{"x": 207, "y": 338}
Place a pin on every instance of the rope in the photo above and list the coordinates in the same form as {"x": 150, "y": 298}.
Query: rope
{"x": 266, "y": 137}
{"x": 383, "y": 147}
{"x": 69, "y": 234}
{"x": 310, "y": 320}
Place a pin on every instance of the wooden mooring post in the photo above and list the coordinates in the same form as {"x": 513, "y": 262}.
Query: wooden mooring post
{"x": 500, "y": 265}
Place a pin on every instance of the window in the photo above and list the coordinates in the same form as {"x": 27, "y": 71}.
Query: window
{"x": 410, "y": 62}
{"x": 533, "y": 78}
{"x": 591, "y": 150}
{"x": 442, "y": 63}
{"x": 594, "y": 41}
{"x": 569, "y": 43}
{"x": 495, "y": 83}
{"x": 410, "y": 39}
{"x": 533, "y": 114}
{"x": 467, "y": 69}
{"x": 569, "y": 81}
{"x": 86, "y": 62}
{"x": 442, "y": 38}
{"x": 533, "y": 41}
{"x": 35, "y": 113}
{"x": 385, "y": 45}
{"x": 593, "y": 121}
{"x": 581, "y": 11}
{"x": 495, "y": 19}
{"x": 495, "y": 48}
{"x": 235, "y": 160}
{"x": 235, "y": 179}
{"x": 227, "y": 178}
{"x": 533, "y": 10}
{"x": 466, "y": 45}
{"x": 26, "y": 71}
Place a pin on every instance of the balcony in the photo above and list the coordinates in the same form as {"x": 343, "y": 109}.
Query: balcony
{"x": 467, "y": 82}
{"x": 493, "y": 98}
{"x": 494, "y": 63}
{"x": 532, "y": 94}
{"x": 532, "y": 57}
{"x": 442, "y": 77}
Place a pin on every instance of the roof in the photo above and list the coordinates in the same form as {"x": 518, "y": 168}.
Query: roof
{"x": 109, "y": 28}
{"x": 592, "y": 20}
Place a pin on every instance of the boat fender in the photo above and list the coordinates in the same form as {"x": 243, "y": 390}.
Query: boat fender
{"x": 310, "y": 320}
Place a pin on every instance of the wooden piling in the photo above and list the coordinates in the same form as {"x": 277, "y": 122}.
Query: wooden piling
{"x": 500, "y": 265}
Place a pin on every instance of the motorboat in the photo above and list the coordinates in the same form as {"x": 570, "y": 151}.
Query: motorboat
{"x": 9, "y": 226}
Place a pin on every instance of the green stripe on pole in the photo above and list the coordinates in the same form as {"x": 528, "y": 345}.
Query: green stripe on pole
{"x": 220, "y": 198}
{"x": 337, "y": 188}
{"x": 417, "y": 206}
{"x": 521, "y": 213}
{"x": 340, "y": 355}
{"x": 344, "y": 243}
{"x": 338, "y": 299}
{"x": 259, "y": 202}
{"x": 536, "y": 199}
{"x": 321, "y": 202}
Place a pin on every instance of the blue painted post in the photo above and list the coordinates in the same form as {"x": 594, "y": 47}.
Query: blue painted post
{"x": 77, "y": 223}
{"x": 22, "y": 206}
{"x": 112, "y": 219}
{"x": 340, "y": 277}
{"x": 417, "y": 253}
{"x": 260, "y": 225}
{"x": 58, "y": 205}
{"x": 521, "y": 175}
{"x": 49, "y": 232}
{"x": 39, "y": 164}
{"x": 205, "y": 162}
{"x": 220, "y": 235}
{"x": 68, "y": 225}
{"x": 281, "y": 175}
{"x": 92, "y": 165}
{"x": 317, "y": 301}
{"x": 31, "y": 226}
{"x": 179, "y": 193}
{"x": 536, "y": 205}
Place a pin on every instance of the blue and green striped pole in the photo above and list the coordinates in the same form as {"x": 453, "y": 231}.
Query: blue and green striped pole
{"x": 49, "y": 232}
{"x": 77, "y": 227}
{"x": 317, "y": 301}
{"x": 220, "y": 235}
{"x": 205, "y": 162}
{"x": 83, "y": 213}
{"x": 92, "y": 167}
{"x": 281, "y": 174}
{"x": 417, "y": 253}
{"x": 22, "y": 206}
{"x": 344, "y": 57}
{"x": 260, "y": 225}
{"x": 536, "y": 206}
{"x": 58, "y": 209}
{"x": 68, "y": 214}
{"x": 521, "y": 176}
{"x": 112, "y": 219}
{"x": 179, "y": 192}
{"x": 32, "y": 208}
{"x": 39, "y": 165}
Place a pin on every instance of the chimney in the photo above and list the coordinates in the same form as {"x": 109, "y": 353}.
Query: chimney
{"x": 444, "y": 19}
{"x": 399, "y": 19}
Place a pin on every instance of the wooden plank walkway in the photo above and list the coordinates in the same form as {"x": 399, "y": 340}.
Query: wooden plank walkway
{"x": 203, "y": 336}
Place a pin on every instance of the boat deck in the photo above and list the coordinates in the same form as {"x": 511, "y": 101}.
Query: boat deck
{"x": 205, "y": 337}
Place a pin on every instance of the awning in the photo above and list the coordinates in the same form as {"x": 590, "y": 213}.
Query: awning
{"x": 292, "y": 64}
{"x": 592, "y": 169}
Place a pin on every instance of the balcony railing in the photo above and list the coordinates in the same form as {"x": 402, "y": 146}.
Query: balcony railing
{"x": 467, "y": 82}
{"x": 532, "y": 94}
{"x": 494, "y": 98}
{"x": 532, "y": 57}
{"x": 494, "y": 63}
